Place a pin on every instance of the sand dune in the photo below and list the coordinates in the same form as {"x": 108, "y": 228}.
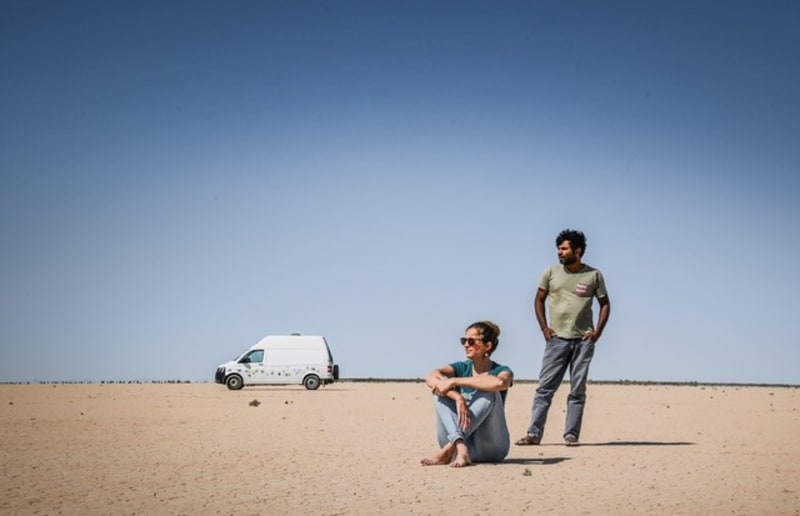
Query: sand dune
{"x": 354, "y": 448}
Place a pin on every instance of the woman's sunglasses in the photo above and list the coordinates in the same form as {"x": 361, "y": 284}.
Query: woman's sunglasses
{"x": 470, "y": 340}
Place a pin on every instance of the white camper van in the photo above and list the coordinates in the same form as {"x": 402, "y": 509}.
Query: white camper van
{"x": 281, "y": 360}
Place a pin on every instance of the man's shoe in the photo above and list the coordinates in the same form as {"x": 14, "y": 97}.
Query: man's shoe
{"x": 571, "y": 440}
{"x": 529, "y": 440}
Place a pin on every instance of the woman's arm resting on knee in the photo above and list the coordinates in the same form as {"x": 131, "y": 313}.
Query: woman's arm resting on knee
{"x": 438, "y": 381}
{"x": 485, "y": 382}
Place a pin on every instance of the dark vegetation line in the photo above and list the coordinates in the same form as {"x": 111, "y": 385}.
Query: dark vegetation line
{"x": 419, "y": 380}
{"x": 608, "y": 382}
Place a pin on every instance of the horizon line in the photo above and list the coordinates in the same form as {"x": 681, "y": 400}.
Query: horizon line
{"x": 688, "y": 383}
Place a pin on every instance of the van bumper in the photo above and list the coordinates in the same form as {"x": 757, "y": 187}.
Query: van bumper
{"x": 219, "y": 376}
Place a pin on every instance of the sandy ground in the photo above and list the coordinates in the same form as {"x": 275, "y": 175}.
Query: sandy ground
{"x": 354, "y": 448}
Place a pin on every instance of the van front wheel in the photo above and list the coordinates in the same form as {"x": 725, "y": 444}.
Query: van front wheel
{"x": 311, "y": 382}
{"x": 234, "y": 382}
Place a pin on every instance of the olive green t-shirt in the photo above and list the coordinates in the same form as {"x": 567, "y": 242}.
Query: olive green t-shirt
{"x": 571, "y": 295}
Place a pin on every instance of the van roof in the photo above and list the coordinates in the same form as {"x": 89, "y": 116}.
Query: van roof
{"x": 294, "y": 336}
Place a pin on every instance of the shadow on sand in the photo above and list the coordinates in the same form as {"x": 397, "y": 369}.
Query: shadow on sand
{"x": 542, "y": 462}
{"x": 641, "y": 443}
{"x": 556, "y": 460}
{"x": 622, "y": 443}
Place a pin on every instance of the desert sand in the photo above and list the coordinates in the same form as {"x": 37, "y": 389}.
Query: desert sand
{"x": 355, "y": 448}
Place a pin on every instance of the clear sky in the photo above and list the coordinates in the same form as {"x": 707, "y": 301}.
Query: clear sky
{"x": 179, "y": 179}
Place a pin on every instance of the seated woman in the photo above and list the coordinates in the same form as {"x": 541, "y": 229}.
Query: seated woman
{"x": 469, "y": 400}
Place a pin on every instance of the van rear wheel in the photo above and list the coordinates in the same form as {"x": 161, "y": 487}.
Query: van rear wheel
{"x": 234, "y": 382}
{"x": 311, "y": 382}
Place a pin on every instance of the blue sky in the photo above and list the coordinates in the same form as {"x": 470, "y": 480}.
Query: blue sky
{"x": 179, "y": 179}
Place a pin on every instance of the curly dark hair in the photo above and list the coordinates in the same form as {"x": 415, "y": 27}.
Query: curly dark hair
{"x": 576, "y": 239}
{"x": 489, "y": 333}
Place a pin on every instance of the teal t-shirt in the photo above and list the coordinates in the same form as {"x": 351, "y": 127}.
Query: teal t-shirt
{"x": 464, "y": 368}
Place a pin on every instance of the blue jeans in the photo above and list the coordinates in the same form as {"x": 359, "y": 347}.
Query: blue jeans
{"x": 487, "y": 438}
{"x": 558, "y": 355}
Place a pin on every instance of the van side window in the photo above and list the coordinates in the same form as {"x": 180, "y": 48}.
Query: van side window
{"x": 255, "y": 356}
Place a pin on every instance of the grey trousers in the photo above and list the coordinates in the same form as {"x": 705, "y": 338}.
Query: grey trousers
{"x": 560, "y": 354}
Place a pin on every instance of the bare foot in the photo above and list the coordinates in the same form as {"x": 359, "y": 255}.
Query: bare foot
{"x": 443, "y": 456}
{"x": 462, "y": 456}
{"x": 461, "y": 461}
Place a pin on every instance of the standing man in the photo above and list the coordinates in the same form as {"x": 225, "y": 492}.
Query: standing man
{"x": 571, "y": 335}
